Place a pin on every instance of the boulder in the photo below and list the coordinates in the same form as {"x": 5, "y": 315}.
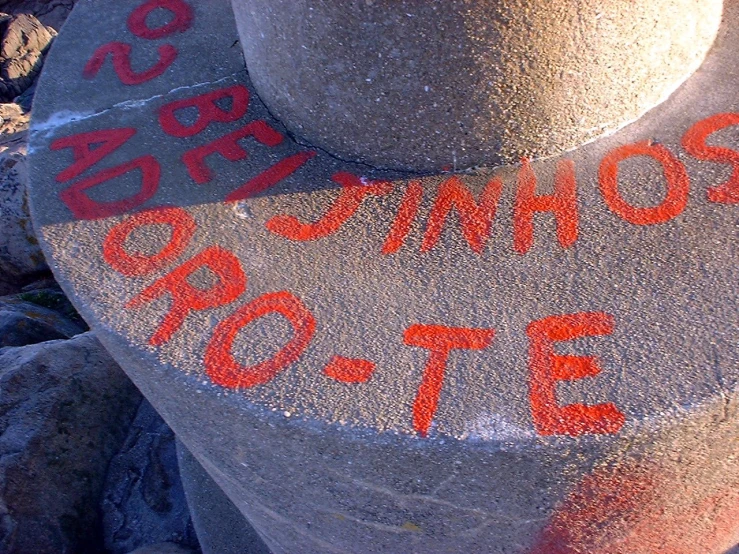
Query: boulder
{"x": 24, "y": 41}
{"x": 13, "y": 128}
{"x": 144, "y": 501}
{"x": 51, "y": 13}
{"x": 65, "y": 407}
{"x": 47, "y": 293}
{"x": 21, "y": 259}
{"x": 28, "y": 319}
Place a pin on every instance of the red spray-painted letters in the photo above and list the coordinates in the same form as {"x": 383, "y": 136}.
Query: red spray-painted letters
{"x": 440, "y": 341}
{"x": 220, "y": 363}
{"x": 547, "y": 368}
{"x": 186, "y": 297}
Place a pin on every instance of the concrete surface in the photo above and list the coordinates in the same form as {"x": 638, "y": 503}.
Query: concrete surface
{"x": 462, "y": 83}
{"x": 302, "y": 358}
{"x": 220, "y": 525}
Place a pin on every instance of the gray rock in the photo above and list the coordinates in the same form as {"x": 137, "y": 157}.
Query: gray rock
{"x": 52, "y": 13}
{"x": 144, "y": 501}
{"x": 47, "y": 293}
{"x": 24, "y": 319}
{"x": 64, "y": 410}
{"x": 25, "y": 41}
{"x": 21, "y": 258}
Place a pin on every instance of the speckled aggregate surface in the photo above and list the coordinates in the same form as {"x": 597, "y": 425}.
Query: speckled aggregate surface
{"x": 344, "y": 467}
{"x": 463, "y": 83}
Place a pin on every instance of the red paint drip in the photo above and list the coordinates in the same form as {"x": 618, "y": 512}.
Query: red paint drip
{"x": 353, "y": 192}
{"x": 84, "y": 207}
{"x": 547, "y": 368}
{"x": 231, "y": 283}
{"x": 222, "y": 367}
{"x": 228, "y": 146}
{"x": 440, "y": 341}
{"x": 271, "y": 176}
{"x": 138, "y": 265}
{"x": 182, "y": 21}
{"x": 208, "y": 111}
{"x": 109, "y": 140}
{"x": 403, "y": 221}
{"x": 476, "y": 219}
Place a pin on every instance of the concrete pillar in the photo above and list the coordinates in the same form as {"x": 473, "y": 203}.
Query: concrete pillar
{"x": 433, "y": 85}
{"x": 539, "y": 358}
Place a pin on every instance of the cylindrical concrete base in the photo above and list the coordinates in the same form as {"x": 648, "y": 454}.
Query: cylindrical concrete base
{"x": 540, "y": 359}
{"x": 448, "y": 85}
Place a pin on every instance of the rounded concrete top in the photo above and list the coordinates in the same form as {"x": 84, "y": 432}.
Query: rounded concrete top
{"x": 169, "y": 178}
{"x": 430, "y": 85}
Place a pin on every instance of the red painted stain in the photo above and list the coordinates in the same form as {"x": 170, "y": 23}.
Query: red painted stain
{"x": 694, "y": 143}
{"x": 607, "y": 501}
{"x": 676, "y": 180}
{"x": 440, "y": 341}
{"x": 225, "y": 370}
{"x": 207, "y": 108}
{"x": 547, "y": 368}
{"x": 646, "y": 508}
{"x": 181, "y": 22}
{"x": 84, "y": 207}
{"x": 353, "y": 192}
{"x": 107, "y": 141}
{"x": 476, "y": 219}
{"x": 563, "y": 204}
{"x": 231, "y": 283}
{"x": 600, "y": 495}
{"x": 182, "y": 226}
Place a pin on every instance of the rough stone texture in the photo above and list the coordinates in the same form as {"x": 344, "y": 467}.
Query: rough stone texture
{"x": 21, "y": 258}
{"x": 429, "y": 85}
{"x": 25, "y": 319}
{"x": 24, "y": 41}
{"x": 52, "y": 13}
{"x": 321, "y": 465}
{"x": 64, "y": 410}
{"x": 166, "y": 548}
{"x": 144, "y": 501}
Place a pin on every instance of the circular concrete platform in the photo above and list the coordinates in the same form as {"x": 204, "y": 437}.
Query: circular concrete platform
{"x": 421, "y": 85}
{"x": 538, "y": 358}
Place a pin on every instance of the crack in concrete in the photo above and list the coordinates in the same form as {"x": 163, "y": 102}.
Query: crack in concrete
{"x": 305, "y": 144}
{"x": 405, "y": 500}
{"x": 299, "y": 529}
{"x": 45, "y": 129}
